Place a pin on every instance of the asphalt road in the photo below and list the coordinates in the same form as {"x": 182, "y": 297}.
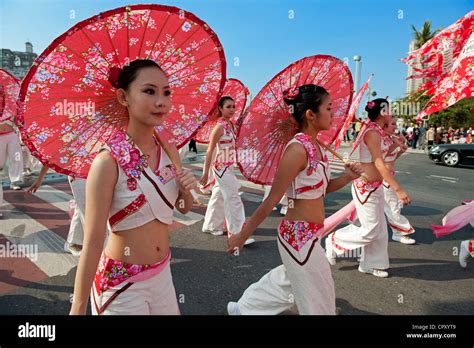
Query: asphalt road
{"x": 424, "y": 278}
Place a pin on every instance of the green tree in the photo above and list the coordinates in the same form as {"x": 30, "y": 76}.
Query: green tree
{"x": 424, "y": 35}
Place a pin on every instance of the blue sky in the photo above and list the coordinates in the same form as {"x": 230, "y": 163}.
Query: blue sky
{"x": 261, "y": 33}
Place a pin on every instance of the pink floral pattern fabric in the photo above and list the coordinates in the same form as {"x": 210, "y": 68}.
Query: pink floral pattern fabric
{"x": 235, "y": 89}
{"x": 111, "y": 273}
{"x": 298, "y": 233}
{"x": 68, "y": 106}
{"x": 311, "y": 150}
{"x": 127, "y": 155}
{"x": 268, "y": 125}
{"x": 446, "y": 61}
{"x": 9, "y": 91}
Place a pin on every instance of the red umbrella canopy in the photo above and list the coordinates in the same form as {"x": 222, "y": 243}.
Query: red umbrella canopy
{"x": 268, "y": 124}
{"x": 68, "y": 106}
{"x": 235, "y": 89}
{"x": 9, "y": 91}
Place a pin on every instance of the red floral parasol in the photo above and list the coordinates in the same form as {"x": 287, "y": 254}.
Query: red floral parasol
{"x": 235, "y": 89}
{"x": 68, "y": 108}
{"x": 9, "y": 90}
{"x": 268, "y": 124}
{"x": 352, "y": 112}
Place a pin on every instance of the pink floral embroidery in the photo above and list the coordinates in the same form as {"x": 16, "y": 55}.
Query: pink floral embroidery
{"x": 132, "y": 184}
{"x": 228, "y": 128}
{"x": 298, "y": 233}
{"x": 111, "y": 273}
{"x": 127, "y": 155}
{"x": 364, "y": 187}
{"x": 310, "y": 148}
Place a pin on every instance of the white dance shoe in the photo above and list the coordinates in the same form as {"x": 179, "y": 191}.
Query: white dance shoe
{"x": 379, "y": 273}
{"x": 233, "y": 308}
{"x": 403, "y": 239}
{"x": 214, "y": 233}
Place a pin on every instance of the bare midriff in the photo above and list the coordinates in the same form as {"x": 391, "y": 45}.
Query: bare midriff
{"x": 310, "y": 210}
{"x": 146, "y": 244}
{"x": 371, "y": 172}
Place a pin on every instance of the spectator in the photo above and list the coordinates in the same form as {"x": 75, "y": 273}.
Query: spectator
{"x": 421, "y": 138}
{"x": 438, "y": 137}
{"x": 416, "y": 135}
{"x": 430, "y": 137}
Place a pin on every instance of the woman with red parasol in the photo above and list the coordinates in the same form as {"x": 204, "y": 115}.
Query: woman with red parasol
{"x": 303, "y": 173}
{"x": 10, "y": 148}
{"x": 225, "y": 205}
{"x": 106, "y": 101}
{"x": 401, "y": 227}
{"x": 367, "y": 192}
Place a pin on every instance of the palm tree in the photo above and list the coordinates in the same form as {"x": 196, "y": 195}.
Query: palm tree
{"x": 424, "y": 35}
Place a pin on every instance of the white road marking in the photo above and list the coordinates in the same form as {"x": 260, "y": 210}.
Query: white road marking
{"x": 451, "y": 181}
{"x": 443, "y": 177}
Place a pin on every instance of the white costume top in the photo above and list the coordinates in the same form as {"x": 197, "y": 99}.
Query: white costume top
{"x": 140, "y": 194}
{"x": 312, "y": 182}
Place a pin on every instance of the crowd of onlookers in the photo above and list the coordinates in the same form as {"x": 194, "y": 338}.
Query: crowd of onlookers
{"x": 419, "y": 137}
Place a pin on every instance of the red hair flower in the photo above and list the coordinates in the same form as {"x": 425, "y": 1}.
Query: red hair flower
{"x": 114, "y": 73}
{"x": 291, "y": 93}
{"x": 370, "y": 105}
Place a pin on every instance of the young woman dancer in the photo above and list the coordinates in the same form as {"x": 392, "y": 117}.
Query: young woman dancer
{"x": 133, "y": 186}
{"x": 401, "y": 228}
{"x": 304, "y": 174}
{"x": 225, "y": 205}
{"x": 368, "y": 196}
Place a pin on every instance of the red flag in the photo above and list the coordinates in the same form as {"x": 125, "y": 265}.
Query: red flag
{"x": 352, "y": 112}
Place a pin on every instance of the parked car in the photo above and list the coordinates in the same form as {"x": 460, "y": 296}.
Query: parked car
{"x": 452, "y": 154}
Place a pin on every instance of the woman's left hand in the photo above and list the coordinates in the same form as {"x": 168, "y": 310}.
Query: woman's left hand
{"x": 353, "y": 169}
{"x": 186, "y": 180}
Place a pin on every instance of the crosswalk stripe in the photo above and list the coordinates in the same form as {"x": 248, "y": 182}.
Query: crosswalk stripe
{"x": 50, "y": 256}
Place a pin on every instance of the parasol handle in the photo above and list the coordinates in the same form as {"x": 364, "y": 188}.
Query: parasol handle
{"x": 337, "y": 155}
{"x": 177, "y": 163}
{"x": 327, "y": 148}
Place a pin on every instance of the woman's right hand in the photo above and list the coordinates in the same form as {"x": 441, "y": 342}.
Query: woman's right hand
{"x": 204, "y": 179}
{"x": 34, "y": 187}
{"x": 403, "y": 197}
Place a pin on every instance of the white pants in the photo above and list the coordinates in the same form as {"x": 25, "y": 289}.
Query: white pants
{"x": 154, "y": 296}
{"x": 372, "y": 235}
{"x": 225, "y": 204}
{"x": 10, "y": 150}
{"x": 76, "y": 229}
{"x": 399, "y": 224}
{"x": 310, "y": 287}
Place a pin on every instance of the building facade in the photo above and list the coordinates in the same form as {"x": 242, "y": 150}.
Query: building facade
{"x": 17, "y": 63}
{"x": 413, "y": 84}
